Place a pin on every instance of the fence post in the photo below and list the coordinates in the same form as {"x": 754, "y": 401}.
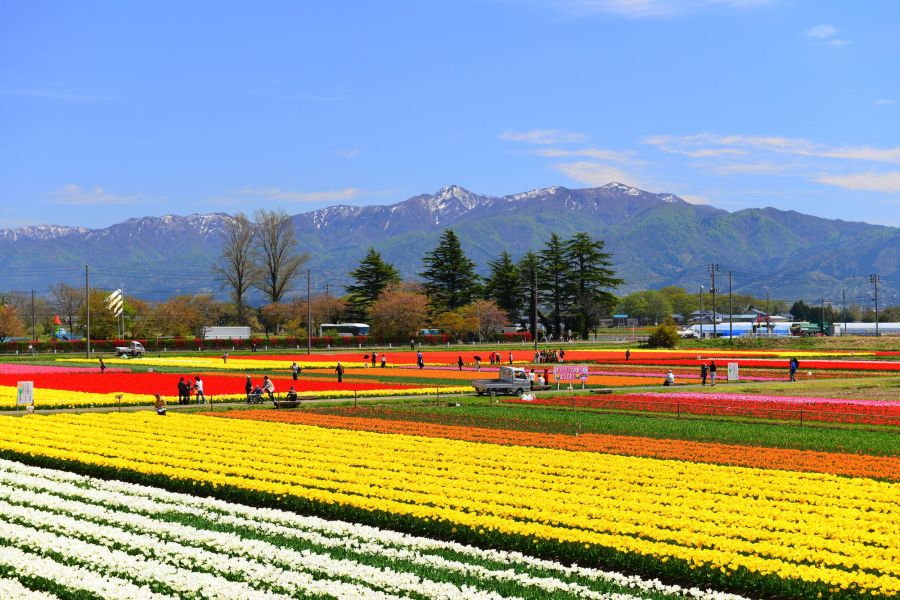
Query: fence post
{"x": 677, "y": 410}
{"x": 354, "y": 398}
{"x": 801, "y": 418}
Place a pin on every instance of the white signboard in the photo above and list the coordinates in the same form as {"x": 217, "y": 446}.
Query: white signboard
{"x": 570, "y": 373}
{"x": 25, "y": 395}
{"x": 732, "y": 371}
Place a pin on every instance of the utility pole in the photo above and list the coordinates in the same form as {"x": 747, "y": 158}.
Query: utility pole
{"x": 701, "y": 311}
{"x": 713, "y": 267}
{"x": 87, "y": 304}
{"x": 844, "y": 302}
{"x": 534, "y": 310}
{"x": 308, "y": 314}
{"x": 33, "y": 330}
{"x": 874, "y": 279}
{"x": 730, "y": 309}
{"x": 822, "y": 325}
{"x": 328, "y": 290}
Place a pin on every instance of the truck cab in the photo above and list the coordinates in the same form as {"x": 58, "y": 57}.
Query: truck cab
{"x": 134, "y": 349}
{"x": 512, "y": 380}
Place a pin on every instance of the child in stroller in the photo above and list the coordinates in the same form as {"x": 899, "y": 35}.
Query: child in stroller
{"x": 255, "y": 396}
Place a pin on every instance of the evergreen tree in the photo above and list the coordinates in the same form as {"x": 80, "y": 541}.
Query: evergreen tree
{"x": 504, "y": 286}
{"x": 801, "y": 311}
{"x": 371, "y": 277}
{"x": 557, "y": 287}
{"x": 450, "y": 279}
{"x": 530, "y": 272}
{"x": 591, "y": 276}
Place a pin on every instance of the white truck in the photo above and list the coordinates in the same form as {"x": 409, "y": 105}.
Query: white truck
{"x": 133, "y": 349}
{"x": 513, "y": 380}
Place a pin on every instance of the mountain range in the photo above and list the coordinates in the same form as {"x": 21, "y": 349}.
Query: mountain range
{"x": 655, "y": 240}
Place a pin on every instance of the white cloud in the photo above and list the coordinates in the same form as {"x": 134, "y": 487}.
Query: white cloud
{"x": 691, "y": 144}
{"x": 300, "y": 197}
{"x": 827, "y": 34}
{"x": 74, "y": 194}
{"x": 884, "y": 102}
{"x": 638, "y": 9}
{"x": 595, "y": 174}
{"x": 821, "y": 31}
{"x": 544, "y": 136}
{"x": 348, "y": 152}
{"x": 754, "y": 168}
{"x": 596, "y": 153}
{"x": 888, "y": 182}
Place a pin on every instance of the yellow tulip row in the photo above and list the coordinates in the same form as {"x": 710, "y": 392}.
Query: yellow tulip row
{"x": 796, "y": 527}
{"x": 45, "y": 398}
{"x": 50, "y": 398}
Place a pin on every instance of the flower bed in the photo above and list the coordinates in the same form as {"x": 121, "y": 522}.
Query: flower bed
{"x": 758, "y": 530}
{"x": 725, "y": 454}
{"x": 216, "y": 548}
{"x": 793, "y": 408}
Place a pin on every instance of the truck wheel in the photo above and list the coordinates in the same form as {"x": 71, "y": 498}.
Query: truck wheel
{"x": 519, "y": 391}
{"x": 477, "y": 393}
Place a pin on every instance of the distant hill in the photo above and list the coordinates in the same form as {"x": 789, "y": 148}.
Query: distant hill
{"x": 655, "y": 239}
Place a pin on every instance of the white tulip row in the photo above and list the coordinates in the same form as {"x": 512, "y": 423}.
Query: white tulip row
{"x": 87, "y": 520}
{"x": 11, "y": 588}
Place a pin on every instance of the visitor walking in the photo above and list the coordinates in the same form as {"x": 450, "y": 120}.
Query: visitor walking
{"x": 181, "y": 391}
{"x": 295, "y": 370}
{"x": 459, "y": 361}
{"x": 420, "y": 360}
{"x": 712, "y": 372}
{"x": 794, "y": 365}
{"x": 198, "y": 387}
{"x": 269, "y": 387}
{"x": 477, "y": 363}
{"x": 339, "y": 369}
{"x": 510, "y": 358}
{"x": 225, "y": 357}
{"x": 703, "y": 372}
{"x": 383, "y": 360}
{"x": 248, "y": 387}
{"x": 102, "y": 366}
{"x": 628, "y": 354}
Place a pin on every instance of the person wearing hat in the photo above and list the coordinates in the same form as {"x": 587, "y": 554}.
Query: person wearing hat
{"x": 670, "y": 378}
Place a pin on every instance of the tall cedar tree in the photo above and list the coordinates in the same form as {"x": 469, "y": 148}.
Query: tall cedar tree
{"x": 530, "y": 271}
{"x": 504, "y": 286}
{"x": 450, "y": 279}
{"x": 372, "y": 277}
{"x": 591, "y": 277}
{"x": 557, "y": 286}
{"x": 276, "y": 251}
{"x": 236, "y": 268}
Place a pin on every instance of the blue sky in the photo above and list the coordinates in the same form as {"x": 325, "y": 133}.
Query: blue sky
{"x": 110, "y": 110}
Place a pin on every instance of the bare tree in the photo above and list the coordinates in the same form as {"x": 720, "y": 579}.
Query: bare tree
{"x": 67, "y": 301}
{"x": 236, "y": 267}
{"x": 276, "y": 253}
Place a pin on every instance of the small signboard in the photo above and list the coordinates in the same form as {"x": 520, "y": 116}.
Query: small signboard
{"x": 732, "y": 371}
{"x": 570, "y": 373}
{"x": 25, "y": 395}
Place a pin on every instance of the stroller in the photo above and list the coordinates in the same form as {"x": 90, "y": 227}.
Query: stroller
{"x": 256, "y": 396}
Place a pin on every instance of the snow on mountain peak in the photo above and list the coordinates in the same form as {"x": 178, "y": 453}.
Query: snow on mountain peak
{"x": 622, "y": 188}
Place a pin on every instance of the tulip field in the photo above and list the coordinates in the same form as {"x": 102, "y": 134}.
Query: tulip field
{"x": 627, "y": 491}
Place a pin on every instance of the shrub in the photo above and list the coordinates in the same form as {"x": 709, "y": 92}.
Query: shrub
{"x": 663, "y": 336}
